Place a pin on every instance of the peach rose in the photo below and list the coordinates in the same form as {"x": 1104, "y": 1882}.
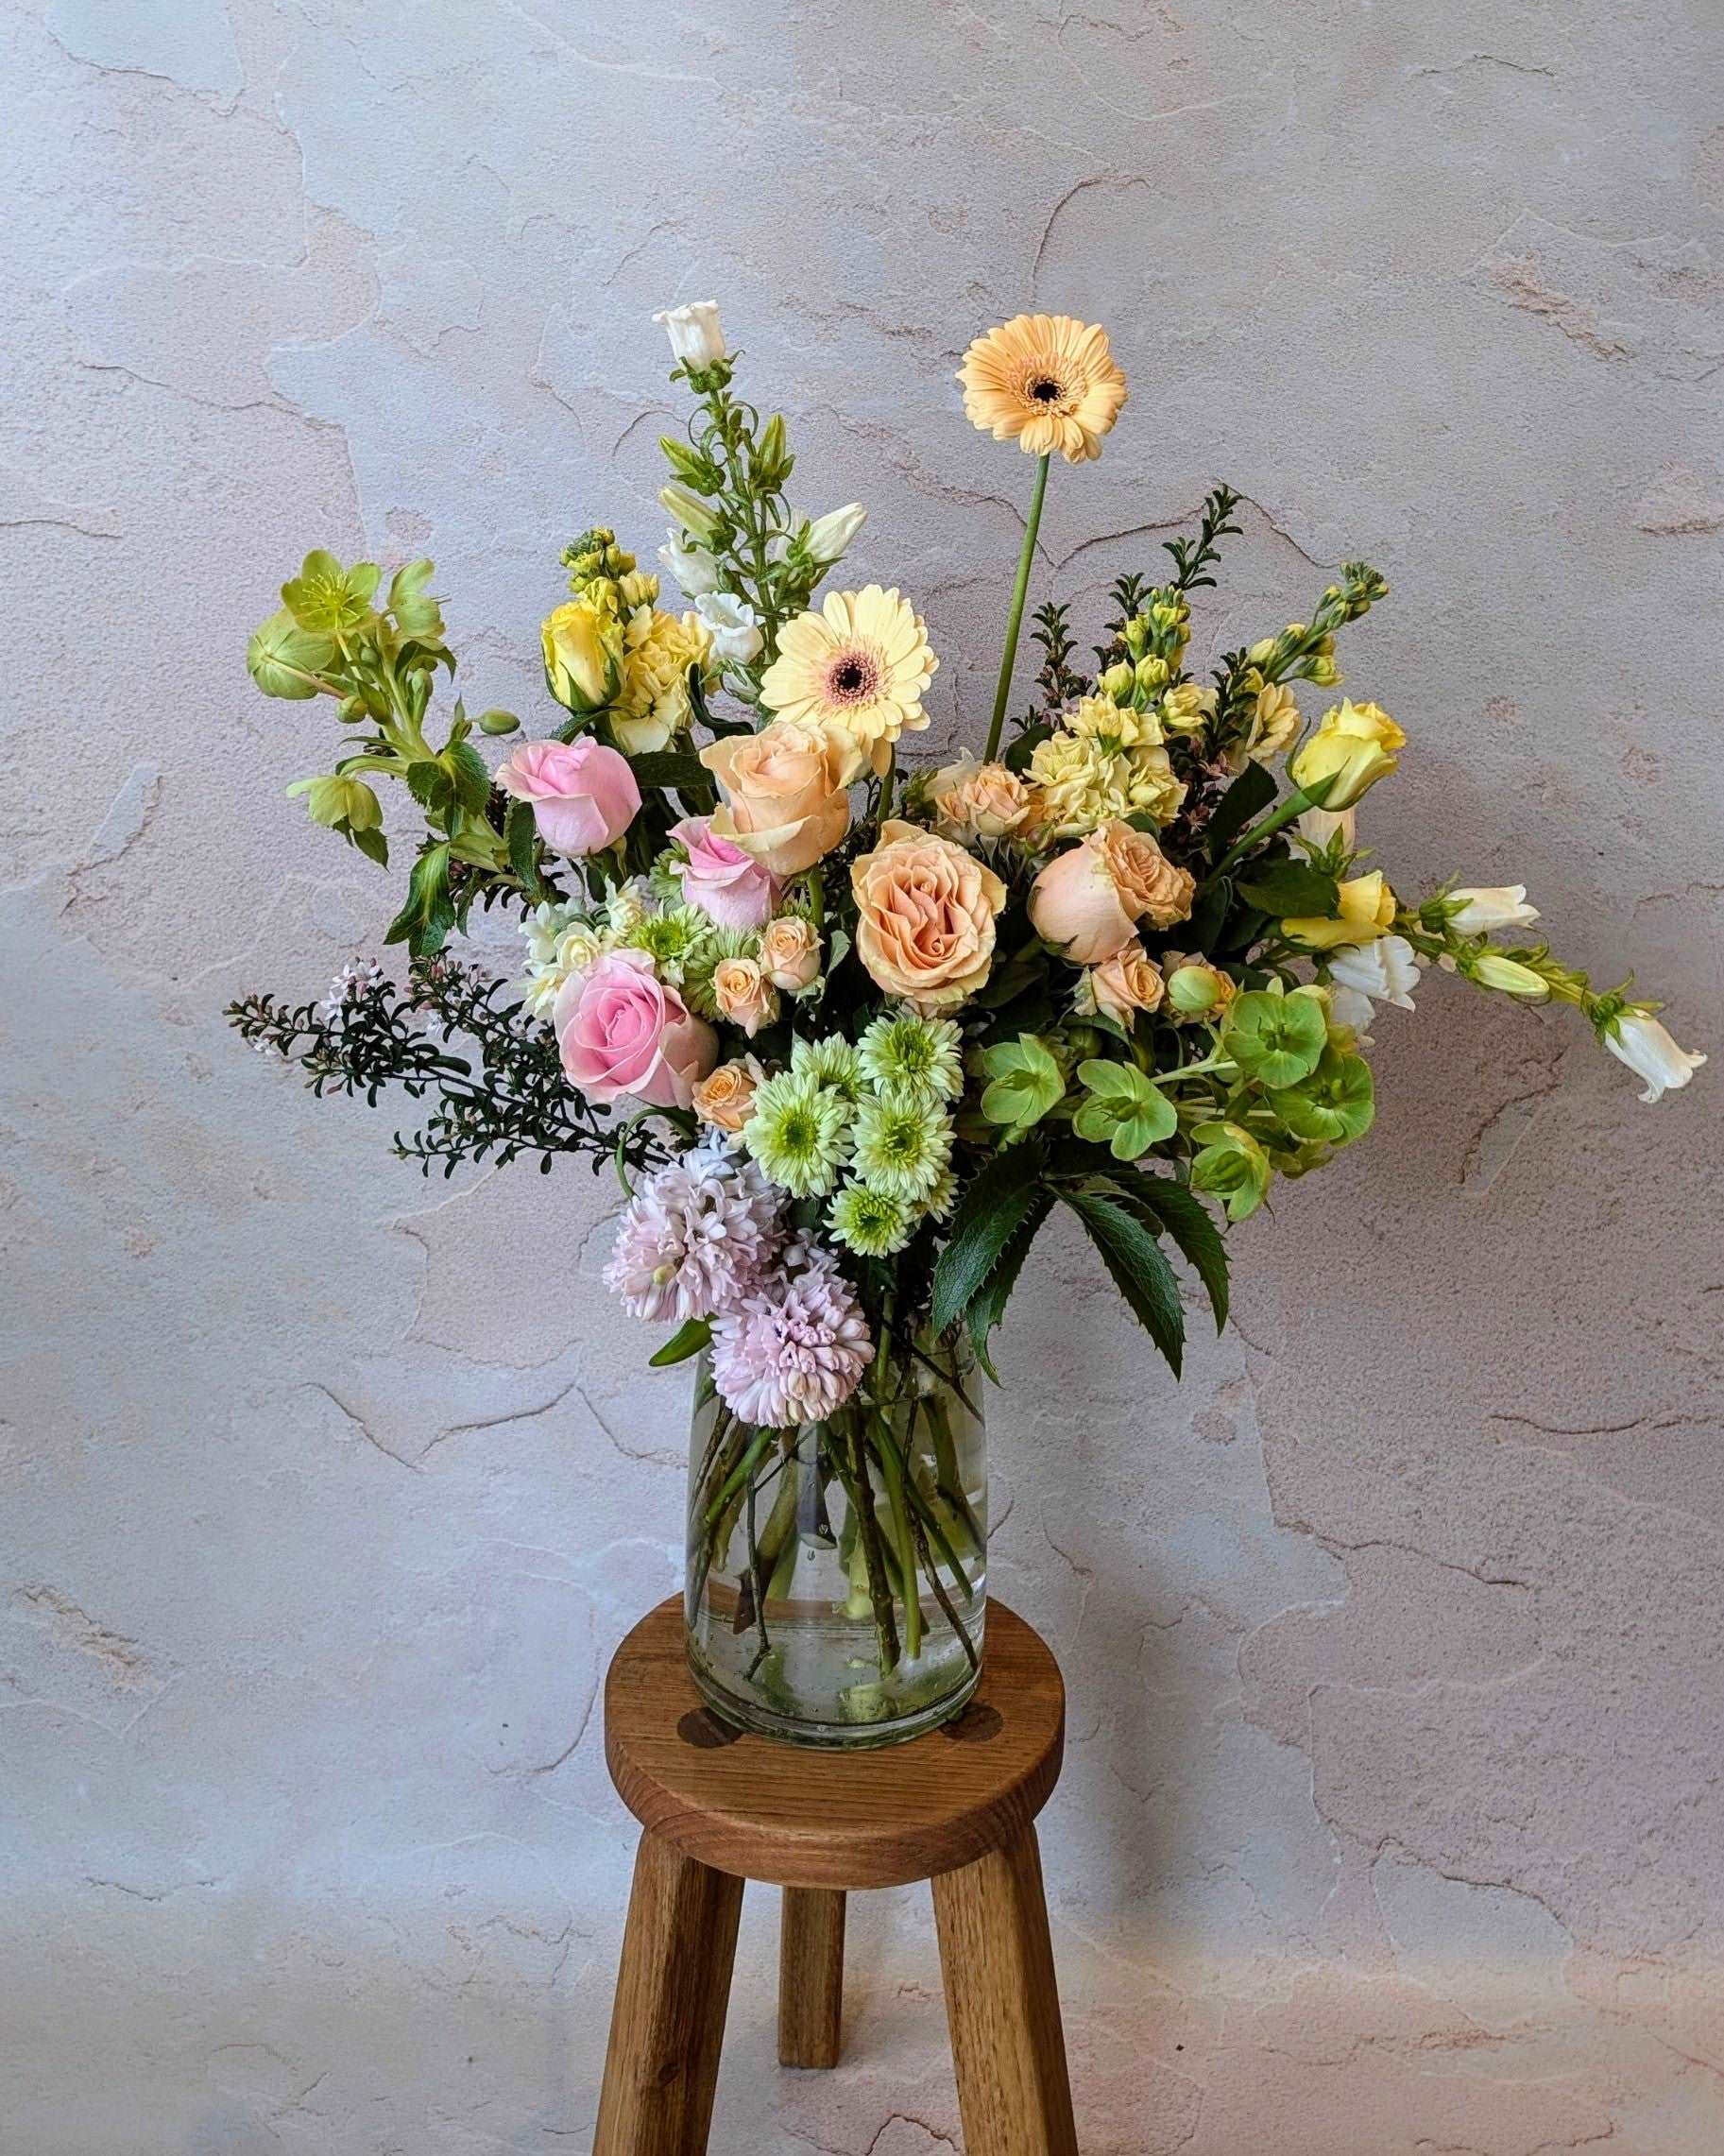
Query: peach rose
{"x": 725, "y": 1100}
{"x": 987, "y": 798}
{"x": 744, "y": 994}
{"x": 785, "y": 791}
{"x": 926, "y": 911}
{"x": 789, "y": 953}
{"x": 1126, "y": 983}
{"x": 1087, "y": 900}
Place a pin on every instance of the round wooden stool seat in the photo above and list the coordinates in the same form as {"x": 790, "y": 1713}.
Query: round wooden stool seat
{"x": 799, "y": 1818}
{"x": 718, "y": 1807}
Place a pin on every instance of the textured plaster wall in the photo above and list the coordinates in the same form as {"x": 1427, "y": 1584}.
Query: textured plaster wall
{"x": 1392, "y": 1820}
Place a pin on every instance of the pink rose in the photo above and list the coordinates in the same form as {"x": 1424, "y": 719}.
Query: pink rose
{"x": 584, "y": 795}
{"x": 729, "y": 886}
{"x": 621, "y": 1029}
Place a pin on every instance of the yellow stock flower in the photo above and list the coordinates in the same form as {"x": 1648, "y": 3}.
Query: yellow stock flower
{"x": 1077, "y": 785}
{"x": 1365, "y": 911}
{"x": 653, "y": 705}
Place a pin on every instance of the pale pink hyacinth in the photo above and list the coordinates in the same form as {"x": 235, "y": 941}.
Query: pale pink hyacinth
{"x": 697, "y": 1239}
{"x": 798, "y": 1352}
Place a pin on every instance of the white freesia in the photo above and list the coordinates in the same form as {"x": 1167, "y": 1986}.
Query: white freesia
{"x": 735, "y": 626}
{"x": 1385, "y": 970}
{"x": 830, "y": 537}
{"x": 1636, "y": 1038}
{"x": 689, "y": 567}
{"x": 693, "y": 329}
{"x": 1319, "y": 826}
{"x": 1487, "y": 906}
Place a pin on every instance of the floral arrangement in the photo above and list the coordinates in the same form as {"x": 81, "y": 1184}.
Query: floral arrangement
{"x": 852, "y": 1025}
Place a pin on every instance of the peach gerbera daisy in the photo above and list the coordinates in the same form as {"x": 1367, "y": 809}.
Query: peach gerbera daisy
{"x": 1046, "y": 380}
{"x": 860, "y": 665}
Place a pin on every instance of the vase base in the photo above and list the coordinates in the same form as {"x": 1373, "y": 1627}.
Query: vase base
{"x": 895, "y": 1722}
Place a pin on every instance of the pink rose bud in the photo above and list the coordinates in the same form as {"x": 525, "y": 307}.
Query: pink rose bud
{"x": 584, "y": 795}
{"x": 729, "y": 886}
{"x": 621, "y": 1029}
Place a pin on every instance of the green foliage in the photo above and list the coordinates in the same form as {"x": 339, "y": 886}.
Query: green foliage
{"x": 1125, "y": 1111}
{"x": 1170, "y": 1207}
{"x": 1193, "y": 558}
{"x": 1275, "y": 1040}
{"x": 1026, "y": 1083}
{"x": 989, "y": 1214}
{"x": 1292, "y": 887}
{"x": 1231, "y": 1166}
{"x": 1137, "y": 1264}
{"x": 688, "y": 1338}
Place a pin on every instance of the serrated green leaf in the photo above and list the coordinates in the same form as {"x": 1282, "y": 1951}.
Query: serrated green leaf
{"x": 521, "y": 835}
{"x": 470, "y": 779}
{"x": 431, "y": 786}
{"x": 989, "y": 1213}
{"x": 987, "y": 1306}
{"x": 1185, "y": 1219}
{"x": 688, "y": 1338}
{"x": 1139, "y": 1268}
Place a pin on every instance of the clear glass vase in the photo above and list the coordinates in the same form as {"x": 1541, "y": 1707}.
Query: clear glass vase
{"x": 837, "y": 1572}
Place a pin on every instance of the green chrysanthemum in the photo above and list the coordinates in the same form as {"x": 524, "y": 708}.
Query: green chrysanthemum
{"x": 868, "y": 1221}
{"x": 799, "y": 1133}
{"x": 906, "y": 1055}
{"x": 833, "y": 1063}
{"x": 674, "y": 940}
{"x": 943, "y": 1197}
{"x": 902, "y": 1146}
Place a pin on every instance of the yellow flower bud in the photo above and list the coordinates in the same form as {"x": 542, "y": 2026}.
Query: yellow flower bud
{"x": 1365, "y": 910}
{"x": 583, "y": 657}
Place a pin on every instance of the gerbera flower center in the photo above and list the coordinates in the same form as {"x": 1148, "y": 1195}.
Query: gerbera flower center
{"x": 1046, "y": 389}
{"x": 853, "y": 676}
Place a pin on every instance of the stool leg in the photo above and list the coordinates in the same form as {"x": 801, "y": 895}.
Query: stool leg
{"x": 1001, "y": 2005}
{"x": 668, "y": 2021}
{"x": 810, "y": 1977}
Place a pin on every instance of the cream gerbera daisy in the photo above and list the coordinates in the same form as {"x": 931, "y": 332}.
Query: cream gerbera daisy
{"x": 1046, "y": 380}
{"x": 860, "y": 665}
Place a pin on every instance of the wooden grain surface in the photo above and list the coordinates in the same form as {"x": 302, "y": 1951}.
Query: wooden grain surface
{"x": 1001, "y": 2006}
{"x": 667, "y": 2023}
{"x": 810, "y": 1977}
{"x": 767, "y": 1811}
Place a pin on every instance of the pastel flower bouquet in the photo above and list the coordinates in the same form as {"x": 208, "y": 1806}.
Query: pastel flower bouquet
{"x": 851, "y": 1027}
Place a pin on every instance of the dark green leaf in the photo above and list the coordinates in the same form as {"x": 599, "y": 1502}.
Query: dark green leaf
{"x": 1017, "y": 756}
{"x": 1208, "y": 917}
{"x": 668, "y": 769}
{"x": 1139, "y": 1268}
{"x": 521, "y": 834}
{"x": 426, "y": 918}
{"x": 687, "y": 1340}
{"x": 989, "y": 1213}
{"x": 1292, "y": 887}
{"x": 1188, "y": 1221}
{"x": 1251, "y": 793}
{"x": 988, "y": 1304}
{"x": 372, "y": 843}
{"x": 472, "y": 780}
{"x": 431, "y": 786}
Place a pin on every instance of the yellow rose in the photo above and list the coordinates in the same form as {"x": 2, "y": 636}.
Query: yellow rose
{"x": 789, "y": 953}
{"x": 582, "y": 648}
{"x": 926, "y": 911}
{"x": 1365, "y": 910}
{"x": 1355, "y": 744}
{"x": 988, "y": 799}
{"x": 785, "y": 791}
{"x": 725, "y": 1099}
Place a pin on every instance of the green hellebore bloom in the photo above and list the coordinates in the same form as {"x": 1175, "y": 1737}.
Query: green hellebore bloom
{"x": 282, "y": 657}
{"x": 1334, "y": 1106}
{"x": 1275, "y": 1040}
{"x": 1231, "y": 1166}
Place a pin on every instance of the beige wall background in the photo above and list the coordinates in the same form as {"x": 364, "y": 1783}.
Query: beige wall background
{"x": 1392, "y": 1819}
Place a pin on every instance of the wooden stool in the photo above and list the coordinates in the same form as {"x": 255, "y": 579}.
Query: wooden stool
{"x": 717, "y": 1808}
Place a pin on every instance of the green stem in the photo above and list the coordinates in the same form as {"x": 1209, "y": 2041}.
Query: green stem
{"x": 1015, "y": 619}
{"x": 886, "y": 781}
{"x": 892, "y": 1474}
{"x": 1283, "y": 813}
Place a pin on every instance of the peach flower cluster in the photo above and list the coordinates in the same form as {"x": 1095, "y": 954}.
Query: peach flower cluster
{"x": 1088, "y": 901}
{"x": 926, "y": 914}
